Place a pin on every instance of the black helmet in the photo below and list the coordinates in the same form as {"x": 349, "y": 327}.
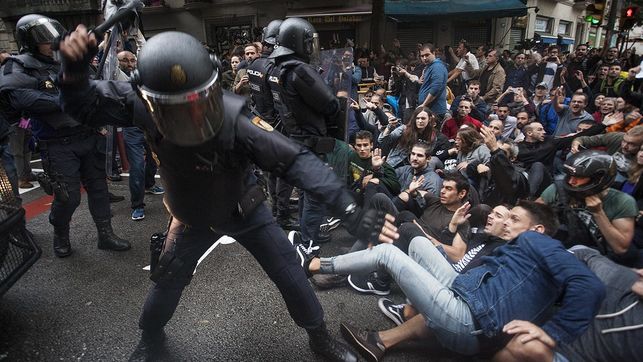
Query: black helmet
{"x": 295, "y": 37}
{"x": 34, "y": 29}
{"x": 181, "y": 88}
{"x": 271, "y": 32}
{"x": 597, "y": 165}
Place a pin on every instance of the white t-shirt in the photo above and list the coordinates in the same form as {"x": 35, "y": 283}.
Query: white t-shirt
{"x": 462, "y": 65}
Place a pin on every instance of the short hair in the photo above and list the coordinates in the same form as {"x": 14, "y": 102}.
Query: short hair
{"x": 473, "y": 82}
{"x": 461, "y": 182}
{"x": 364, "y": 135}
{"x": 513, "y": 148}
{"x": 427, "y": 147}
{"x": 429, "y": 46}
{"x": 553, "y": 47}
{"x": 591, "y": 122}
{"x": 585, "y": 96}
{"x": 251, "y": 45}
{"x": 529, "y": 126}
{"x": 636, "y": 131}
{"x": 541, "y": 214}
{"x": 465, "y": 44}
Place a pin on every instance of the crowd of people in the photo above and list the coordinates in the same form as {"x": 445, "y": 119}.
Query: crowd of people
{"x": 501, "y": 192}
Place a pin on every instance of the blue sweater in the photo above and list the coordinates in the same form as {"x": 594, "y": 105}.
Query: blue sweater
{"x": 435, "y": 83}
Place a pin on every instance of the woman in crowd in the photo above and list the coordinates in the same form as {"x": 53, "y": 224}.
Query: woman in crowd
{"x": 610, "y": 115}
{"x": 228, "y": 76}
{"x": 471, "y": 149}
{"x": 400, "y": 139}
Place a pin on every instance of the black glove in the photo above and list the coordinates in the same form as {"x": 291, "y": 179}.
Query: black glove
{"x": 365, "y": 224}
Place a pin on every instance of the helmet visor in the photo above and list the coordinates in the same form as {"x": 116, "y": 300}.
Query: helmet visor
{"x": 45, "y": 30}
{"x": 189, "y": 119}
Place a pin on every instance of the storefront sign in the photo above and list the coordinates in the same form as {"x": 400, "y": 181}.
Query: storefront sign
{"x": 335, "y": 19}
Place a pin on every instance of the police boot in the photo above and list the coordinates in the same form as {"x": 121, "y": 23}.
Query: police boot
{"x": 149, "y": 347}
{"x": 323, "y": 343}
{"x": 107, "y": 240}
{"x": 62, "y": 246}
{"x": 286, "y": 221}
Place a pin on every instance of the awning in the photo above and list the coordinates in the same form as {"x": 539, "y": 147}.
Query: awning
{"x": 364, "y": 9}
{"x": 554, "y": 40}
{"x": 418, "y": 10}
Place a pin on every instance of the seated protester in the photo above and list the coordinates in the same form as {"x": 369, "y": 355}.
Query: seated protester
{"x": 418, "y": 177}
{"x": 361, "y": 123}
{"x": 462, "y": 117}
{"x": 367, "y": 172}
{"x": 570, "y": 116}
{"x": 592, "y": 213}
{"x": 478, "y": 244}
{"x": 516, "y": 101}
{"x": 540, "y": 148}
{"x": 615, "y": 333}
{"x": 522, "y": 119}
{"x": 374, "y": 113}
{"x": 466, "y": 312}
{"x": 507, "y": 119}
{"x": 400, "y": 139}
{"x": 579, "y": 77}
{"x": 547, "y": 114}
{"x": 480, "y": 108}
{"x": 623, "y": 147}
{"x": 471, "y": 149}
{"x": 500, "y": 181}
{"x": 433, "y": 214}
{"x": 496, "y": 127}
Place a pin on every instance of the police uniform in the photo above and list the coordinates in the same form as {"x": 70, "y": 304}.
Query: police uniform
{"x": 211, "y": 190}
{"x": 69, "y": 149}
{"x": 307, "y": 107}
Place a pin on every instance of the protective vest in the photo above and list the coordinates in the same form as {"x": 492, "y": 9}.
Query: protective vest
{"x": 258, "y": 72}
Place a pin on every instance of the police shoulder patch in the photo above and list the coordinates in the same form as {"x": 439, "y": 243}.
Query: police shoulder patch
{"x": 257, "y": 121}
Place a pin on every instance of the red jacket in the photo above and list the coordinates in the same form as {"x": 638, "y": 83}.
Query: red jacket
{"x": 451, "y": 127}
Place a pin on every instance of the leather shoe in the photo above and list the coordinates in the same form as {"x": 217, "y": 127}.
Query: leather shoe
{"x": 368, "y": 344}
{"x": 62, "y": 245}
{"x": 25, "y": 184}
{"x": 149, "y": 347}
{"x": 115, "y": 198}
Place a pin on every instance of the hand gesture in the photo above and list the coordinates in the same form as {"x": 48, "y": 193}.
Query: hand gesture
{"x": 416, "y": 183}
{"x": 489, "y": 138}
{"x": 388, "y": 234}
{"x": 366, "y": 180}
{"x": 244, "y": 79}
{"x": 377, "y": 160}
{"x": 370, "y": 105}
{"x": 579, "y": 75}
{"x": 559, "y": 92}
{"x": 460, "y": 216}
{"x": 594, "y": 204}
{"x": 354, "y": 104}
{"x": 462, "y": 165}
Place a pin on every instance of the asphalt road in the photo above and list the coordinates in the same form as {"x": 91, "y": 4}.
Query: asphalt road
{"x": 86, "y": 307}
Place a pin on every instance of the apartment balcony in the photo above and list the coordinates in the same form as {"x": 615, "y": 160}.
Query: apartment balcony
{"x": 17, "y": 8}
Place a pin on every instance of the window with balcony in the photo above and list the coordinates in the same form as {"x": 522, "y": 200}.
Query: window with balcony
{"x": 543, "y": 24}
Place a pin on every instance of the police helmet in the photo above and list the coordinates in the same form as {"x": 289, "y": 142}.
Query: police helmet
{"x": 295, "y": 37}
{"x": 34, "y": 29}
{"x": 599, "y": 166}
{"x": 271, "y": 32}
{"x": 180, "y": 86}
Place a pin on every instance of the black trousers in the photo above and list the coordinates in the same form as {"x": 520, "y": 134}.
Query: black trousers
{"x": 269, "y": 246}
{"x": 75, "y": 160}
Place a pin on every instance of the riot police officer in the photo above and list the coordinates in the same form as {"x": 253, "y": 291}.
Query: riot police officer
{"x": 205, "y": 152}
{"x": 69, "y": 148}
{"x": 307, "y": 107}
{"x": 263, "y": 105}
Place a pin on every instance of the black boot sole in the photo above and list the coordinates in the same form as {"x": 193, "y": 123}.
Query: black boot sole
{"x": 63, "y": 255}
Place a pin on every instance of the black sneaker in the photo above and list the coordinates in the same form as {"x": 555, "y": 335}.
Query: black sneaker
{"x": 395, "y": 312}
{"x": 368, "y": 344}
{"x": 310, "y": 246}
{"x": 369, "y": 283}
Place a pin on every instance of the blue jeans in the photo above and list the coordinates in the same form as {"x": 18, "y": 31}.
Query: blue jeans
{"x": 142, "y": 165}
{"x": 425, "y": 276}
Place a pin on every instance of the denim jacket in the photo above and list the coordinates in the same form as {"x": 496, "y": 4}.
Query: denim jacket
{"x": 523, "y": 279}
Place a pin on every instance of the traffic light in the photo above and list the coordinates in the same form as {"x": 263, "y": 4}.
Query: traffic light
{"x": 629, "y": 17}
{"x": 595, "y": 13}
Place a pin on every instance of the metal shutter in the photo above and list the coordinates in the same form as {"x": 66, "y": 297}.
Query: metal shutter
{"x": 411, "y": 34}
{"x": 515, "y": 37}
{"x": 475, "y": 33}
